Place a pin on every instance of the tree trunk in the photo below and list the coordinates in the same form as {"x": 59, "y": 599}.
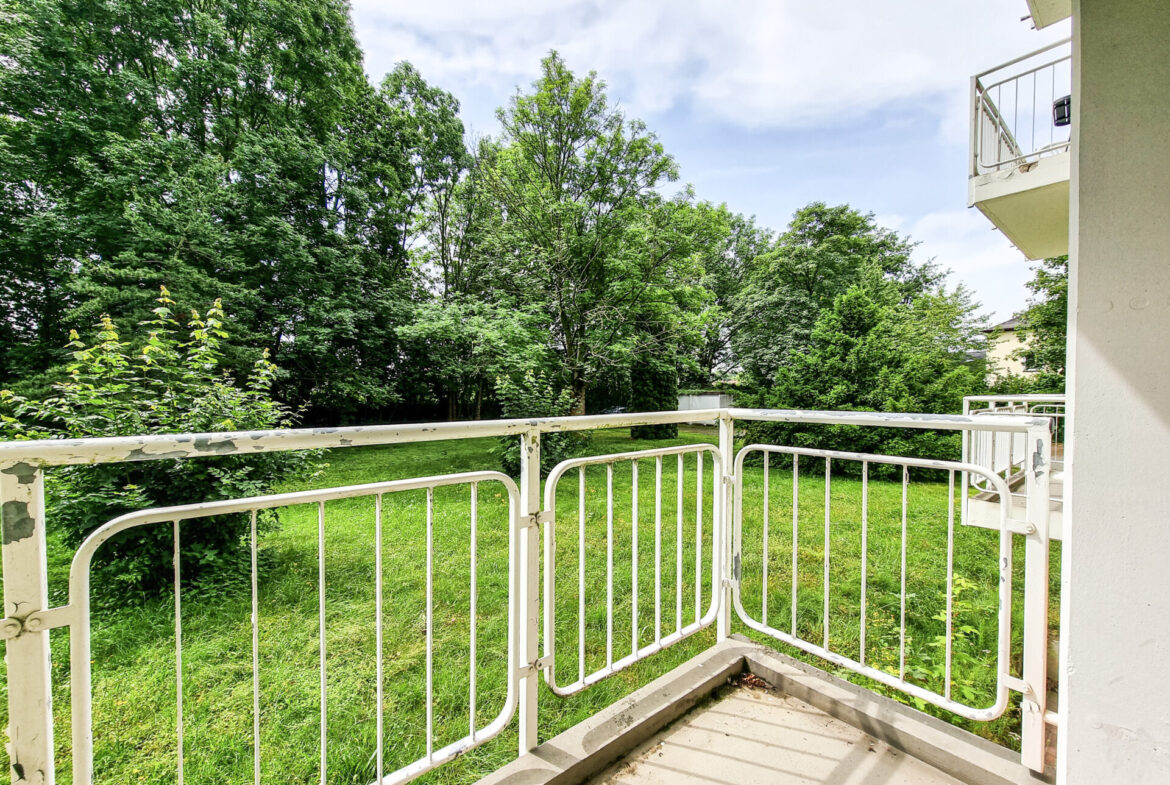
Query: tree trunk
{"x": 577, "y": 387}
{"x": 451, "y": 413}
{"x": 479, "y": 402}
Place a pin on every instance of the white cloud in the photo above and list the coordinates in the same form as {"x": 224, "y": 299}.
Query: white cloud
{"x": 976, "y": 253}
{"x": 787, "y": 63}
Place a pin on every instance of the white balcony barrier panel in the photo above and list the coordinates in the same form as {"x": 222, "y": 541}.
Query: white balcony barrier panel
{"x": 1012, "y": 109}
{"x": 823, "y": 649}
{"x": 79, "y": 605}
{"x": 702, "y": 619}
{"x": 710, "y": 533}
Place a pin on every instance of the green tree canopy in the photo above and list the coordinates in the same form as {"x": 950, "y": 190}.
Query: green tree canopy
{"x": 824, "y": 252}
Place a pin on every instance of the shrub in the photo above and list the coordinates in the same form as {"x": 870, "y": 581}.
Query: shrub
{"x": 534, "y": 395}
{"x": 157, "y": 382}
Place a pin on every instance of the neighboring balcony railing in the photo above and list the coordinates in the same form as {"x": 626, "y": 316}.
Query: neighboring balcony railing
{"x": 1006, "y": 456}
{"x": 703, "y": 573}
{"x": 1013, "y": 118}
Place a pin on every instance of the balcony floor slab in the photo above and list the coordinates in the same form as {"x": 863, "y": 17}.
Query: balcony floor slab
{"x": 752, "y": 735}
{"x": 806, "y": 727}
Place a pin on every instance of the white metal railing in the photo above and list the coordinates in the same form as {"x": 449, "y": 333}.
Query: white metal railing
{"x": 79, "y": 608}
{"x": 702, "y": 619}
{"x": 29, "y": 617}
{"x": 823, "y": 648}
{"x": 1012, "y": 109}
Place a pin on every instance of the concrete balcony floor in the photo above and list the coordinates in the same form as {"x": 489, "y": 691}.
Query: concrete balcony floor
{"x": 744, "y": 714}
{"x": 753, "y": 735}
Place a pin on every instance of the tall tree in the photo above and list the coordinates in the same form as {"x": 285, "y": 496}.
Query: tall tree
{"x": 573, "y": 184}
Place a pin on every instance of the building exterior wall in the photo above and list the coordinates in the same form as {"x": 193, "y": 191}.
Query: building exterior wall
{"x": 1115, "y": 641}
{"x": 1001, "y": 360}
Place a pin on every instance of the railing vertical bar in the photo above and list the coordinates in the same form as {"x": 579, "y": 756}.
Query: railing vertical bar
{"x": 698, "y": 537}
{"x": 474, "y": 605}
{"x": 321, "y": 635}
{"x": 795, "y": 533}
{"x": 825, "y": 600}
{"x": 658, "y": 549}
{"x": 609, "y": 565}
{"x": 255, "y": 653}
{"x": 1052, "y": 100}
{"x": 379, "y": 663}
{"x": 634, "y": 559}
{"x": 864, "y": 552}
{"x": 678, "y": 547}
{"x": 430, "y": 624}
{"x": 178, "y": 656}
{"x": 764, "y": 589}
{"x": 1035, "y": 77}
{"x": 1016, "y": 110}
{"x": 902, "y": 594}
{"x": 581, "y": 573}
{"x": 950, "y": 577}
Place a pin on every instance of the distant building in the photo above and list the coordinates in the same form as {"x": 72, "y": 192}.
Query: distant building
{"x": 1004, "y": 356}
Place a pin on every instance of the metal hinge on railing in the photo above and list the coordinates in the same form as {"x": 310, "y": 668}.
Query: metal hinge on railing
{"x": 541, "y": 664}
{"x": 536, "y": 519}
{"x": 38, "y": 621}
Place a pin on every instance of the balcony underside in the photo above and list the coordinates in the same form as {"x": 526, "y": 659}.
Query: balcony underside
{"x": 806, "y": 726}
{"x": 1028, "y": 203}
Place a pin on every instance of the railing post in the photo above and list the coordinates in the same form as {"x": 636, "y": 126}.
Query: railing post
{"x": 30, "y": 695}
{"x": 725, "y": 511}
{"x": 1038, "y": 468}
{"x": 529, "y": 588}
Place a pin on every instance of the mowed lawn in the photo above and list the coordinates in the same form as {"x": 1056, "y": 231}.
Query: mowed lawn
{"x": 134, "y": 652}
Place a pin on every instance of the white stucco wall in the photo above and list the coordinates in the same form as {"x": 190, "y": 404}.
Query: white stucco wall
{"x": 1115, "y": 708}
{"x": 1001, "y": 349}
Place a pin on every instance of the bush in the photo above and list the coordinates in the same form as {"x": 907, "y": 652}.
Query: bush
{"x": 534, "y": 395}
{"x": 158, "y": 382}
{"x": 654, "y": 388}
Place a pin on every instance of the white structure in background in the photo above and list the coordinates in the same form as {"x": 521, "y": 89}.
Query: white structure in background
{"x": 690, "y": 403}
{"x": 1003, "y": 348}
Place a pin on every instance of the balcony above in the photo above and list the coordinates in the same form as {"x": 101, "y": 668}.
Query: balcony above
{"x": 1020, "y": 157}
{"x": 1048, "y": 12}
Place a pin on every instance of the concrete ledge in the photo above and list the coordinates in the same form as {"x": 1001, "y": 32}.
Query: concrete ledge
{"x": 589, "y": 747}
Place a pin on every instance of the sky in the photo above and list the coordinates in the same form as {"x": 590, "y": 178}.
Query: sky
{"x": 765, "y": 105}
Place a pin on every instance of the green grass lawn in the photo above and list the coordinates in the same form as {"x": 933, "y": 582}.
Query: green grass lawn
{"x": 133, "y": 648}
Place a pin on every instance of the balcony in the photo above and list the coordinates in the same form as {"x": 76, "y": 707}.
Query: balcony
{"x": 714, "y": 583}
{"x": 1020, "y": 157}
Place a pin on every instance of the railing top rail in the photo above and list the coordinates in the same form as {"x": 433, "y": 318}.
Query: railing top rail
{"x": 1024, "y": 57}
{"x": 117, "y": 449}
{"x": 941, "y": 422}
{"x": 1031, "y": 397}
